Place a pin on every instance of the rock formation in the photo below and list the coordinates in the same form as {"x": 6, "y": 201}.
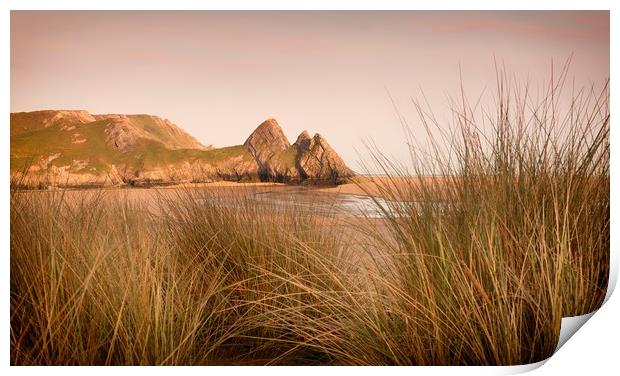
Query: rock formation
{"x": 120, "y": 134}
{"x": 75, "y": 148}
{"x": 318, "y": 162}
{"x": 303, "y": 140}
{"x": 309, "y": 160}
{"x": 124, "y": 131}
{"x": 272, "y": 152}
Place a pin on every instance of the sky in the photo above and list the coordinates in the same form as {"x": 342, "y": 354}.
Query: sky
{"x": 218, "y": 75}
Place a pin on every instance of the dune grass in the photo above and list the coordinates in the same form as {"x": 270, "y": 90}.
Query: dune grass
{"x": 99, "y": 280}
{"x": 475, "y": 267}
{"x": 510, "y": 235}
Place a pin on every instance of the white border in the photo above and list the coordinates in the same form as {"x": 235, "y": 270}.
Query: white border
{"x": 596, "y": 345}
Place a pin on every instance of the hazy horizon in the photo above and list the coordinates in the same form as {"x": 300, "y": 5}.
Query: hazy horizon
{"x": 218, "y": 74}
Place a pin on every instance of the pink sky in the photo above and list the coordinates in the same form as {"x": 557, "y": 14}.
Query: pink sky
{"x": 219, "y": 74}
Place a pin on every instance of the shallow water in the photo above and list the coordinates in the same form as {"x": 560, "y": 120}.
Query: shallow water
{"x": 336, "y": 203}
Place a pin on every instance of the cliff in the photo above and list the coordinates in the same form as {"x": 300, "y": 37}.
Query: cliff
{"x": 76, "y": 148}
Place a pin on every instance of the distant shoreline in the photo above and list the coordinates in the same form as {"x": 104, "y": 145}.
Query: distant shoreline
{"x": 362, "y": 185}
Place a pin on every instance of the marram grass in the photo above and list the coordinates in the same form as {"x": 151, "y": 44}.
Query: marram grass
{"x": 474, "y": 267}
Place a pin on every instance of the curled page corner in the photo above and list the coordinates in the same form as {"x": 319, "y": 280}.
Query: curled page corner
{"x": 570, "y": 326}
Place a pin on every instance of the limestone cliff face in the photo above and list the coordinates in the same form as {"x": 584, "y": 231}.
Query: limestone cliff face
{"x": 272, "y": 152}
{"x": 121, "y": 134}
{"x": 237, "y": 168}
{"x": 75, "y": 148}
{"x": 308, "y": 160}
{"x": 318, "y": 162}
{"x": 125, "y": 131}
{"x": 303, "y": 140}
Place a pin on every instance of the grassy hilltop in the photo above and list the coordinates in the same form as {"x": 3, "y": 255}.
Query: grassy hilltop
{"x": 71, "y": 138}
